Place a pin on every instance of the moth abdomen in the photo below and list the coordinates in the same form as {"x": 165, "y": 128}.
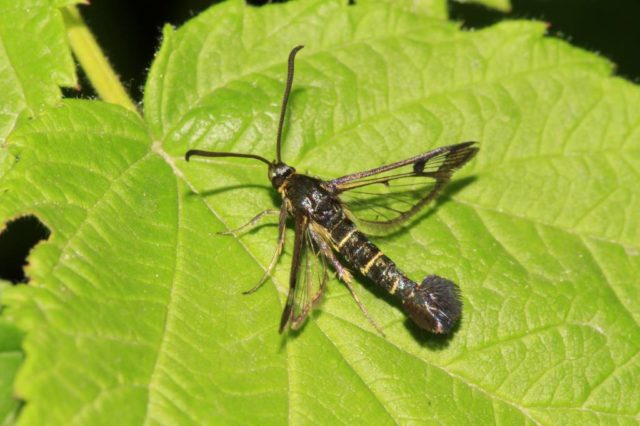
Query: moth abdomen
{"x": 434, "y": 305}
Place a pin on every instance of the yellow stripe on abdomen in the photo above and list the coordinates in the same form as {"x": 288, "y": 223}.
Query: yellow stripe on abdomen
{"x": 365, "y": 268}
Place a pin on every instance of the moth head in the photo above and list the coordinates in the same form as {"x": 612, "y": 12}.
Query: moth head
{"x": 278, "y": 173}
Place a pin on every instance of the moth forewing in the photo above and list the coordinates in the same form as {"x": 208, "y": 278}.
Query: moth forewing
{"x": 384, "y": 198}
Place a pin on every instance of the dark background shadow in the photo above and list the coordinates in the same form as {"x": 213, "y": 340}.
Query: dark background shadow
{"x": 129, "y": 31}
{"x": 17, "y": 238}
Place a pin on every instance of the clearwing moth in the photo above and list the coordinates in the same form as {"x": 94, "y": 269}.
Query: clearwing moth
{"x": 327, "y": 215}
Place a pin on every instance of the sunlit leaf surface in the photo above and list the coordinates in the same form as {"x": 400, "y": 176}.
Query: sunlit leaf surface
{"x": 134, "y": 310}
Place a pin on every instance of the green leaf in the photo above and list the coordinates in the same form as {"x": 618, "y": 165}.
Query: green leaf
{"x": 501, "y": 5}
{"x": 433, "y": 8}
{"x": 134, "y": 311}
{"x": 10, "y": 359}
{"x": 34, "y": 58}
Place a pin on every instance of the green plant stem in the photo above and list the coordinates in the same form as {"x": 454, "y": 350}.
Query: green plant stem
{"x": 95, "y": 64}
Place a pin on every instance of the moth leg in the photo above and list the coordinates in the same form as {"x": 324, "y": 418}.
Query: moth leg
{"x": 282, "y": 227}
{"x": 363, "y": 309}
{"x": 251, "y": 223}
{"x": 345, "y": 276}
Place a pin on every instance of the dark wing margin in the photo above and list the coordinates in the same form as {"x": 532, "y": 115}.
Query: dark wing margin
{"x": 396, "y": 192}
{"x": 307, "y": 279}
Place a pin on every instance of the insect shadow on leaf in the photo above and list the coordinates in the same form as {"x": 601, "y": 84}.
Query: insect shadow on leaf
{"x": 326, "y": 218}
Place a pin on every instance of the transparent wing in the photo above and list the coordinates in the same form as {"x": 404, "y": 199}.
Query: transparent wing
{"x": 389, "y": 204}
{"x": 307, "y": 280}
{"x": 387, "y": 196}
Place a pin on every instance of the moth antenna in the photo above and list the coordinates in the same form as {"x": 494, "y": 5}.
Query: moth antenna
{"x": 285, "y": 98}
{"x": 200, "y": 153}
